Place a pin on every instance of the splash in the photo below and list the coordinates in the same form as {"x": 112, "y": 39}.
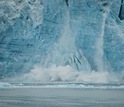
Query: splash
{"x": 64, "y": 77}
{"x": 65, "y": 74}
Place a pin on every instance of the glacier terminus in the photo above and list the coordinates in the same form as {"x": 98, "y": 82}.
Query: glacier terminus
{"x": 62, "y": 40}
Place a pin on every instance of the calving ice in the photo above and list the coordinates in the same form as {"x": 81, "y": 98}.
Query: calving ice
{"x": 62, "y": 40}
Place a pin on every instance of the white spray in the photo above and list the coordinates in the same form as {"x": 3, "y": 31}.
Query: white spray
{"x": 99, "y": 56}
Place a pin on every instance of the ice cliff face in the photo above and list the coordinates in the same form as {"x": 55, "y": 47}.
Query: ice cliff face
{"x": 85, "y": 34}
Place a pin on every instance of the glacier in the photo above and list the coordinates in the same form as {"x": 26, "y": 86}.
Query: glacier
{"x": 62, "y": 40}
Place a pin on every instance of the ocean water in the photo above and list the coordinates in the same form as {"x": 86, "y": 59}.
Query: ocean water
{"x": 61, "y": 97}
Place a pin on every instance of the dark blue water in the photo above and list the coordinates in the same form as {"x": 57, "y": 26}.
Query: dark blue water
{"x": 61, "y": 97}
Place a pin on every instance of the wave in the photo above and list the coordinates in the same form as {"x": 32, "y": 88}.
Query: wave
{"x": 4, "y": 85}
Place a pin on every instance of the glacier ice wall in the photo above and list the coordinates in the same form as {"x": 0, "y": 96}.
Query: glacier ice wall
{"x": 85, "y": 34}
